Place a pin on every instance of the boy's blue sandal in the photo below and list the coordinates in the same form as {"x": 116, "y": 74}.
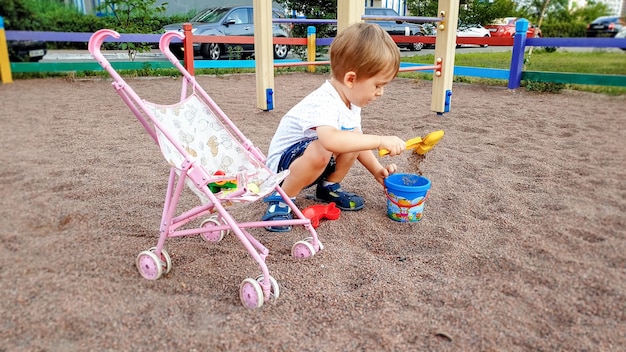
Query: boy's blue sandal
{"x": 277, "y": 209}
{"x": 344, "y": 200}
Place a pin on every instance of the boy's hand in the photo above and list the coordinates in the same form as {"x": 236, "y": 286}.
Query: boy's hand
{"x": 393, "y": 144}
{"x": 383, "y": 172}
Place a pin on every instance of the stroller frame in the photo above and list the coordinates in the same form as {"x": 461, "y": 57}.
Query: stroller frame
{"x": 155, "y": 262}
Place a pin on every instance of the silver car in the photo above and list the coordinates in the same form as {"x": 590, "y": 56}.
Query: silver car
{"x": 227, "y": 21}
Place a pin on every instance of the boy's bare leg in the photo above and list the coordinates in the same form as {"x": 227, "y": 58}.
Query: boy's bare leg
{"x": 344, "y": 163}
{"x": 333, "y": 192}
{"x": 306, "y": 169}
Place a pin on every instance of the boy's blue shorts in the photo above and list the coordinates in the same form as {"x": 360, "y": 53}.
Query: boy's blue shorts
{"x": 295, "y": 151}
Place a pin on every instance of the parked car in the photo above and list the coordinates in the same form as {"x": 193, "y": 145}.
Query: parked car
{"x": 227, "y": 21}
{"x": 473, "y": 31}
{"x": 505, "y": 27}
{"x": 621, "y": 34}
{"x": 26, "y": 50}
{"x": 396, "y": 27}
{"x": 463, "y": 30}
{"x": 605, "y": 26}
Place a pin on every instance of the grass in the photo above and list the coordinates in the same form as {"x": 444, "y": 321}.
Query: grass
{"x": 594, "y": 62}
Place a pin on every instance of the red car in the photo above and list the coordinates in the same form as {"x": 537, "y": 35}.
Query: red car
{"x": 505, "y": 27}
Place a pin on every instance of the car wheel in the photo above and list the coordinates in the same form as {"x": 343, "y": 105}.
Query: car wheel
{"x": 484, "y": 45}
{"x": 281, "y": 51}
{"x": 416, "y": 46}
{"x": 211, "y": 51}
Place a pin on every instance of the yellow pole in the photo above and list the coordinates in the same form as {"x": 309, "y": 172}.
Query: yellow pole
{"x": 310, "y": 45}
{"x": 5, "y": 65}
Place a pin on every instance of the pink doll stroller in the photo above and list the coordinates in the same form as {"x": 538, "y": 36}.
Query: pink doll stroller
{"x": 210, "y": 155}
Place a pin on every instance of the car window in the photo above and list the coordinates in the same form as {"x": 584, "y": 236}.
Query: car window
{"x": 240, "y": 16}
{"x": 211, "y": 15}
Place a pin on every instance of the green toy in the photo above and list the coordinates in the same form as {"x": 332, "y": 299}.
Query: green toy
{"x": 216, "y": 187}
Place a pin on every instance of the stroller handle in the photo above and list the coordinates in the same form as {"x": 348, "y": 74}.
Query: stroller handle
{"x": 164, "y": 46}
{"x": 95, "y": 42}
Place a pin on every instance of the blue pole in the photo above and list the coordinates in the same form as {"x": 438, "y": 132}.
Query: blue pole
{"x": 517, "y": 58}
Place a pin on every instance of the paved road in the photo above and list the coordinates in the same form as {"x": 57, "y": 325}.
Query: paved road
{"x": 112, "y": 55}
{"x": 155, "y": 55}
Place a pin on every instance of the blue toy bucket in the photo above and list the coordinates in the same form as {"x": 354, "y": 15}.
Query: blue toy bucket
{"x": 406, "y": 196}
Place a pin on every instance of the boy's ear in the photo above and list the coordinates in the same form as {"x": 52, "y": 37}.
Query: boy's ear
{"x": 349, "y": 79}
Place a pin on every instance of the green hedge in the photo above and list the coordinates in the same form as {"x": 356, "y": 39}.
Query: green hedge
{"x": 54, "y": 16}
{"x": 564, "y": 30}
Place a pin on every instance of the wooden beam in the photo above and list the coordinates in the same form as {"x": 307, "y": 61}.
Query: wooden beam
{"x": 444, "y": 54}
{"x": 264, "y": 54}
{"x": 349, "y": 12}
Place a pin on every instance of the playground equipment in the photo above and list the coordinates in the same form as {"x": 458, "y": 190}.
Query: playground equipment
{"x": 349, "y": 12}
{"x": 230, "y": 172}
{"x": 514, "y": 75}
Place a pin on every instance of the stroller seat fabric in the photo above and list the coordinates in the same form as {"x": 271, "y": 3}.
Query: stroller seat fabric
{"x": 207, "y": 140}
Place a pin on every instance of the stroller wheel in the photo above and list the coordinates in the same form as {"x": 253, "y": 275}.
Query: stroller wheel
{"x": 149, "y": 265}
{"x": 275, "y": 290}
{"x": 251, "y": 294}
{"x": 310, "y": 240}
{"x": 302, "y": 249}
{"x": 212, "y": 236}
{"x": 165, "y": 257}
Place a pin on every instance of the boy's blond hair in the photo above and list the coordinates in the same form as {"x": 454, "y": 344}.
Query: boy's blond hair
{"x": 366, "y": 49}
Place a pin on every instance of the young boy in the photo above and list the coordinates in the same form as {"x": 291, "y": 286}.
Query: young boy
{"x": 320, "y": 138}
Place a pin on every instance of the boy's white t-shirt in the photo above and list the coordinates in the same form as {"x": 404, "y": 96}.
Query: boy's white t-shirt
{"x": 323, "y": 107}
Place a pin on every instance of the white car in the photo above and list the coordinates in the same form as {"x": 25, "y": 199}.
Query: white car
{"x": 474, "y": 31}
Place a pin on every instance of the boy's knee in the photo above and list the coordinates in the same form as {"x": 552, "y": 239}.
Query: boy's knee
{"x": 322, "y": 160}
{"x": 347, "y": 158}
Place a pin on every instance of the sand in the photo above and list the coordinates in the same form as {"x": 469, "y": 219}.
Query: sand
{"x": 522, "y": 245}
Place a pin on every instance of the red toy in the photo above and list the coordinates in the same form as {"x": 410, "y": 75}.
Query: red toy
{"x": 321, "y": 211}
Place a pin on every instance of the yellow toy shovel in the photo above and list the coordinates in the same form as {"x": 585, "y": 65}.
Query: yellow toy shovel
{"x": 419, "y": 145}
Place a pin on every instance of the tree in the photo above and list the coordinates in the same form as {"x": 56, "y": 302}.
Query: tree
{"x": 312, "y": 8}
{"x": 423, "y": 8}
{"x": 534, "y": 8}
{"x": 324, "y": 9}
{"x": 17, "y": 15}
{"x": 133, "y": 16}
{"x": 590, "y": 12}
{"x": 485, "y": 12}
{"x": 470, "y": 11}
{"x": 318, "y": 9}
